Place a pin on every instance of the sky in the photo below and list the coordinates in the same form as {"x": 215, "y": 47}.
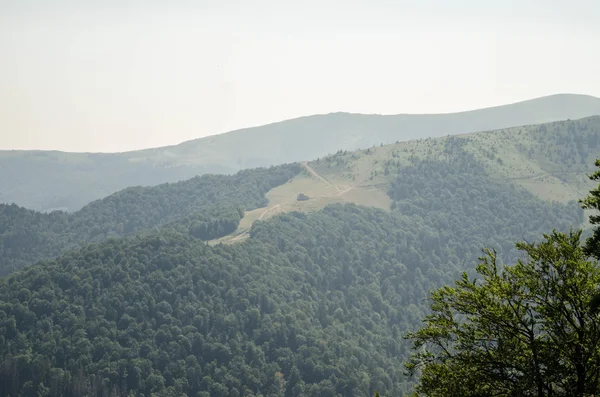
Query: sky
{"x": 117, "y": 75}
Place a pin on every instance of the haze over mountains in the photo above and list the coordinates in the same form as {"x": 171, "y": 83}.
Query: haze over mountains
{"x": 548, "y": 160}
{"x": 136, "y": 295}
{"x": 45, "y": 180}
{"x": 399, "y": 199}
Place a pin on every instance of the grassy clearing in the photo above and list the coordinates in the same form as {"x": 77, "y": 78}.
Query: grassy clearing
{"x": 521, "y": 155}
{"x": 321, "y": 192}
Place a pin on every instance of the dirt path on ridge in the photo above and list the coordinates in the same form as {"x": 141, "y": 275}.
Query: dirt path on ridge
{"x": 318, "y": 176}
{"x": 262, "y": 215}
{"x": 340, "y": 191}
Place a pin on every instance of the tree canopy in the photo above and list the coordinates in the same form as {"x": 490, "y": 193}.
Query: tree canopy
{"x": 206, "y": 207}
{"x": 592, "y": 202}
{"x": 527, "y": 329}
{"x": 309, "y": 305}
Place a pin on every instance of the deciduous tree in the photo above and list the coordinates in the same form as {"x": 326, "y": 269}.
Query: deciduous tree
{"x": 524, "y": 330}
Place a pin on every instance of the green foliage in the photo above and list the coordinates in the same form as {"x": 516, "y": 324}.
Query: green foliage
{"x": 206, "y": 207}
{"x": 569, "y": 143}
{"x": 525, "y": 330}
{"x": 309, "y": 305}
{"x": 213, "y": 224}
{"x": 592, "y": 201}
{"x": 459, "y": 197}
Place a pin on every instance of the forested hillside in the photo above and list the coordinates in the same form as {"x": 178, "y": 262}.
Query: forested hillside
{"x": 207, "y": 207}
{"x": 526, "y": 328}
{"x": 550, "y": 160}
{"x": 310, "y": 305}
{"x": 247, "y": 233}
{"x": 44, "y": 180}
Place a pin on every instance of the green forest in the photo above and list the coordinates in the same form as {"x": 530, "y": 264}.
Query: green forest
{"x": 316, "y": 304}
{"x": 206, "y": 207}
{"x": 299, "y": 199}
{"x": 529, "y": 328}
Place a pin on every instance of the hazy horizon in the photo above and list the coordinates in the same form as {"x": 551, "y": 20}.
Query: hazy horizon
{"x": 115, "y": 76}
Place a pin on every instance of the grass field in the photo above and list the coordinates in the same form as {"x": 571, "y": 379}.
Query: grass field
{"x": 522, "y": 155}
{"x": 320, "y": 192}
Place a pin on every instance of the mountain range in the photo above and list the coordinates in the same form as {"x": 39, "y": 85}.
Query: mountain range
{"x": 227, "y": 285}
{"x": 299, "y": 279}
{"x": 47, "y": 180}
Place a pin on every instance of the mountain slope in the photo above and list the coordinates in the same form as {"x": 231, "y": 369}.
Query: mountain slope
{"x": 307, "y": 304}
{"x": 310, "y": 305}
{"x": 550, "y": 160}
{"x": 46, "y": 180}
{"x": 316, "y": 136}
{"x": 205, "y": 207}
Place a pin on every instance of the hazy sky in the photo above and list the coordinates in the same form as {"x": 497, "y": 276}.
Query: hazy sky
{"x": 113, "y": 75}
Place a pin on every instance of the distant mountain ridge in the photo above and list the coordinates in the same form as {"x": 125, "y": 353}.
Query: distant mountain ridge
{"x": 351, "y": 131}
{"x": 205, "y": 207}
{"x": 44, "y": 180}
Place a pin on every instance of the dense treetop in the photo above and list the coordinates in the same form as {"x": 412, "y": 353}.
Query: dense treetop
{"x": 527, "y": 329}
{"x": 310, "y": 305}
{"x": 213, "y": 203}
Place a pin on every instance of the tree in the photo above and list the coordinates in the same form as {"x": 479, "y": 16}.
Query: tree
{"x": 592, "y": 201}
{"x": 526, "y": 330}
